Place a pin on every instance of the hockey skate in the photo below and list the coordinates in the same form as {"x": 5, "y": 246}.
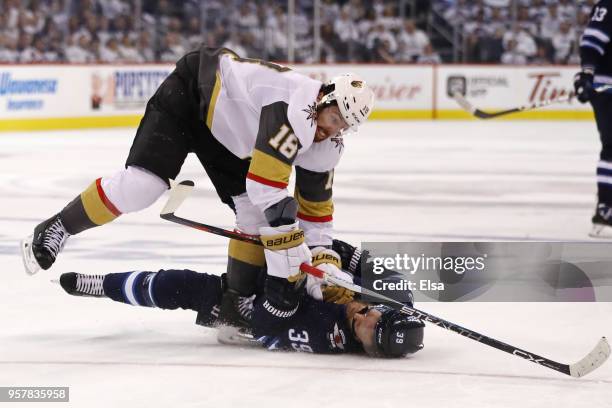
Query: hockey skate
{"x": 602, "y": 222}
{"x": 79, "y": 284}
{"x": 236, "y": 310}
{"x": 40, "y": 249}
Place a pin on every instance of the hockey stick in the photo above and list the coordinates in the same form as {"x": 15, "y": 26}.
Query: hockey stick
{"x": 480, "y": 114}
{"x": 594, "y": 359}
{"x": 178, "y": 194}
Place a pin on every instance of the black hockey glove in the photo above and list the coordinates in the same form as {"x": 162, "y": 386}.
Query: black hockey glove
{"x": 583, "y": 86}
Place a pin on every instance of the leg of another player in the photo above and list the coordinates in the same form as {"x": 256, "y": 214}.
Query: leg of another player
{"x": 245, "y": 264}
{"x": 602, "y": 220}
{"x": 128, "y": 190}
{"x": 165, "y": 289}
{"x": 156, "y": 156}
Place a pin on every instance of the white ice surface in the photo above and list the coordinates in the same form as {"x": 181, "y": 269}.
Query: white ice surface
{"x": 397, "y": 181}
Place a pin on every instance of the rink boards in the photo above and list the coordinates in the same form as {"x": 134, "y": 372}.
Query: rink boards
{"x": 48, "y": 97}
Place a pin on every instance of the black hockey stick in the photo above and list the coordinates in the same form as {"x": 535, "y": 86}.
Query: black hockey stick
{"x": 594, "y": 359}
{"x": 178, "y": 194}
{"x": 480, "y": 114}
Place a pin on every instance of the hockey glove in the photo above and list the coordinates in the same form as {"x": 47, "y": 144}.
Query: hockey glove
{"x": 285, "y": 250}
{"x": 583, "y": 85}
{"x": 328, "y": 261}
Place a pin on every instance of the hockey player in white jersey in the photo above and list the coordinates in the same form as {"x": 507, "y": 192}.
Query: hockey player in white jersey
{"x": 249, "y": 122}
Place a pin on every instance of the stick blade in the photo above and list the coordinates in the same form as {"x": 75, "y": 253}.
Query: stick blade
{"x": 178, "y": 194}
{"x": 461, "y": 101}
{"x": 592, "y": 361}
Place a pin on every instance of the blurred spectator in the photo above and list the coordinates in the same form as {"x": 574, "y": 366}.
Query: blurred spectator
{"x": 567, "y": 10}
{"x": 145, "y": 48}
{"x": 128, "y": 51}
{"x": 31, "y": 19}
{"x": 95, "y": 49}
{"x": 330, "y": 11}
{"x": 526, "y": 22}
{"x": 523, "y": 43}
{"x": 490, "y": 48}
{"x": 103, "y": 31}
{"x": 12, "y": 10}
{"x": 498, "y": 20}
{"x": 234, "y": 44}
{"x": 36, "y": 51}
{"x": 541, "y": 57}
{"x": 389, "y": 17}
{"x": 8, "y": 49}
{"x": 79, "y": 52}
{"x": 245, "y": 18}
{"x": 459, "y": 12}
{"x": 429, "y": 56}
{"x": 380, "y": 35}
{"x": 412, "y": 42}
{"x": 193, "y": 33}
{"x": 172, "y": 49}
{"x": 382, "y": 52}
{"x": 366, "y": 24}
{"x": 109, "y": 52}
{"x": 276, "y": 37}
{"x": 563, "y": 42}
{"x": 57, "y": 12}
{"x": 328, "y": 44}
{"x": 348, "y": 35}
{"x": 550, "y": 22}
{"x": 512, "y": 56}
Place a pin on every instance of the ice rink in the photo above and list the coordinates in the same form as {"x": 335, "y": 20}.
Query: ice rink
{"x": 397, "y": 181}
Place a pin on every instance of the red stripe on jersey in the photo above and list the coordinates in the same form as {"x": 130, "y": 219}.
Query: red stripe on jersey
{"x": 107, "y": 203}
{"x": 325, "y": 218}
{"x": 262, "y": 180}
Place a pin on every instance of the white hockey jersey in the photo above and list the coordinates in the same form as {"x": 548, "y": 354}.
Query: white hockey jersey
{"x": 266, "y": 112}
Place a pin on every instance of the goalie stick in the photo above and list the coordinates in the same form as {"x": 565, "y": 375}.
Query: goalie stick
{"x": 480, "y": 114}
{"x": 594, "y": 359}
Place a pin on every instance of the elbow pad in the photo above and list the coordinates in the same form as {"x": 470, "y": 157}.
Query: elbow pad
{"x": 282, "y": 213}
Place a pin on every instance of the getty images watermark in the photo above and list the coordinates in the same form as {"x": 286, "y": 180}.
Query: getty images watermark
{"x": 490, "y": 271}
{"x": 408, "y": 266}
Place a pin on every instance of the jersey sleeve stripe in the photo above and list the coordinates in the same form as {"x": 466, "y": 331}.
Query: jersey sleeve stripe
{"x": 267, "y": 167}
{"x": 600, "y": 35}
{"x": 315, "y": 209}
{"x": 589, "y": 44}
{"x": 213, "y": 100}
{"x": 305, "y": 217}
{"x": 265, "y": 181}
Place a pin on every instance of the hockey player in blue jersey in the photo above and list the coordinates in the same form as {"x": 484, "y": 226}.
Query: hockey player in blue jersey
{"x": 596, "y": 71}
{"x": 289, "y": 312}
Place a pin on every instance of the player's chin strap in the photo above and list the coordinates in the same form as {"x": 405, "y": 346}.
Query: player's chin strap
{"x": 594, "y": 359}
{"x": 480, "y": 114}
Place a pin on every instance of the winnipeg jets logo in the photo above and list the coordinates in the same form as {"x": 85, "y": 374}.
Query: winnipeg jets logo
{"x": 339, "y": 142}
{"x": 337, "y": 338}
{"x": 311, "y": 113}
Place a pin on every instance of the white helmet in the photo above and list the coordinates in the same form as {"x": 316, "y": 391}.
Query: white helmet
{"x": 354, "y": 97}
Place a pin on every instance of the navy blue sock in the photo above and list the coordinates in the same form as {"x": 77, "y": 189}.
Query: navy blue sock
{"x": 166, "y": 289}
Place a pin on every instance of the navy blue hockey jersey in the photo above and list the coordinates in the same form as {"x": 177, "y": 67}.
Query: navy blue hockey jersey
{"x": 314, "y": 327}
{"x": 595, "y": 50}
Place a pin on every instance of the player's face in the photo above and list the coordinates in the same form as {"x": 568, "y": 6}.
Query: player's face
{"x": 329, "y": 123}
{"x": 364, "y": 323}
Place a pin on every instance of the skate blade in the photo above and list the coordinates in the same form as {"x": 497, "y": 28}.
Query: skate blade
{"x": 236, "y": 337}
{"x": 601, "y": 231}
{"x": 27, "y": 256}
